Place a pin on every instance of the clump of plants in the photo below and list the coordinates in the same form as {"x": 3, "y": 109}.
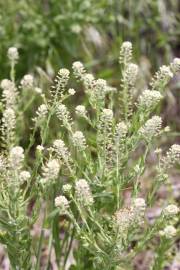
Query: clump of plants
{"x": 76, "y": 180}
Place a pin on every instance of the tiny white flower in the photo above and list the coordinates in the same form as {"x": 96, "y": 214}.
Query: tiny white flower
{"x": 71, "y": 92}
{"x": 81, "y": 110}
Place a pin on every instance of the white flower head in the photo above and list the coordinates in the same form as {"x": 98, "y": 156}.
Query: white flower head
{"x": 71, "y": 92}
{"x": 175, "y": 65}
{"x": 149, "y": 98}
{"x": 121, "y": 130}
{"x": 131, "y": 73}
{"x": 16, "y": 157}
{"x": 79, "y": 140}
{"x": 41, "y": 112}
{"x": 61, "y": 150}
{"x": 13, "y": 54}
{"x": 172, "y": 156}
{"x": 107, "y": 114}
{"x": 24, "y": 176}
{"x": 88, "y": 80}
{"x": 62, "y": 77}
{"x": 3, "y": 164}
{"x": 139, "y": 203}
{"x": 67, "y": 188}
{"x": 161, "y": 78}
{"x": 63, "y": 113}
{"x": 83, "y": 192}
{"x": 51, "y": 169}
{"x": 9, "y": 93}
{"x": 171, "y": 210}
{"x": 81, "y": 110}
{"x": 78, "y": 69}
{"x": 168, "y": 232}
{"x": 152, "y": 127}
{"x": 125, "y": 52}
{"x": 62, "y": 203}
{"x": 123, "y": 218}
{"x": 9, "y": 119}
{"x": 27, "y": 81}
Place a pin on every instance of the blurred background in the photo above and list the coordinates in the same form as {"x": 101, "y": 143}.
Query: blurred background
{"x": 53, "y": 33}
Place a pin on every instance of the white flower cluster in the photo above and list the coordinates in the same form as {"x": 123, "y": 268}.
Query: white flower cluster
{"x": 152, "y": 127}
{"x": 172, "y": 156}
{"x": 175, "y": 65}
{"x": 9, "y": 93}
{"x": 99, "y": 89}
{"x": 67, "y": 188}
{"x": 83, "y": 192}
{"x": 61, "y": 150}
{"x": 24, "y": 176}
{"x": 123, "y": 218}
{"x": 62, "y": 78}
{"x": 171, "y": 210}
{"x": 13, "y": 54}
{"x": 130, "y": 74}
{"x": 139, "y": 204}
{"x": 71, "y": 91}
{"x": 149, "y": 98}
{"x": 78, "y": 70}
{"x": 3, "y": 164}
{"x": 106, "y": 115}
{"x": 62, "y": 203}
{"x": 27, "y": 81}
{"x": 50, "y": 170}
{"x": 41, "y": 112}
{"x": 63, "y": 114}
{"x": 121, "y": 130}
{"x": 88, "y": 81}
{"x": 168, "y": 232}
{"x": 81, "y": 110}
{"x": 9, "y": 121}
{"x": 16, "y": 157}
{"x": 104, "y": 137}
{"x": 125, "y": 52}
{"x": 162, "y": 77}
{"x": 129, "y": 216}
{"x": 79, "y": 140}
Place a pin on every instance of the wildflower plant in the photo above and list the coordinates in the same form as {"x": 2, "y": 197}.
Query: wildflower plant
{"x": 79, "y": 177}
